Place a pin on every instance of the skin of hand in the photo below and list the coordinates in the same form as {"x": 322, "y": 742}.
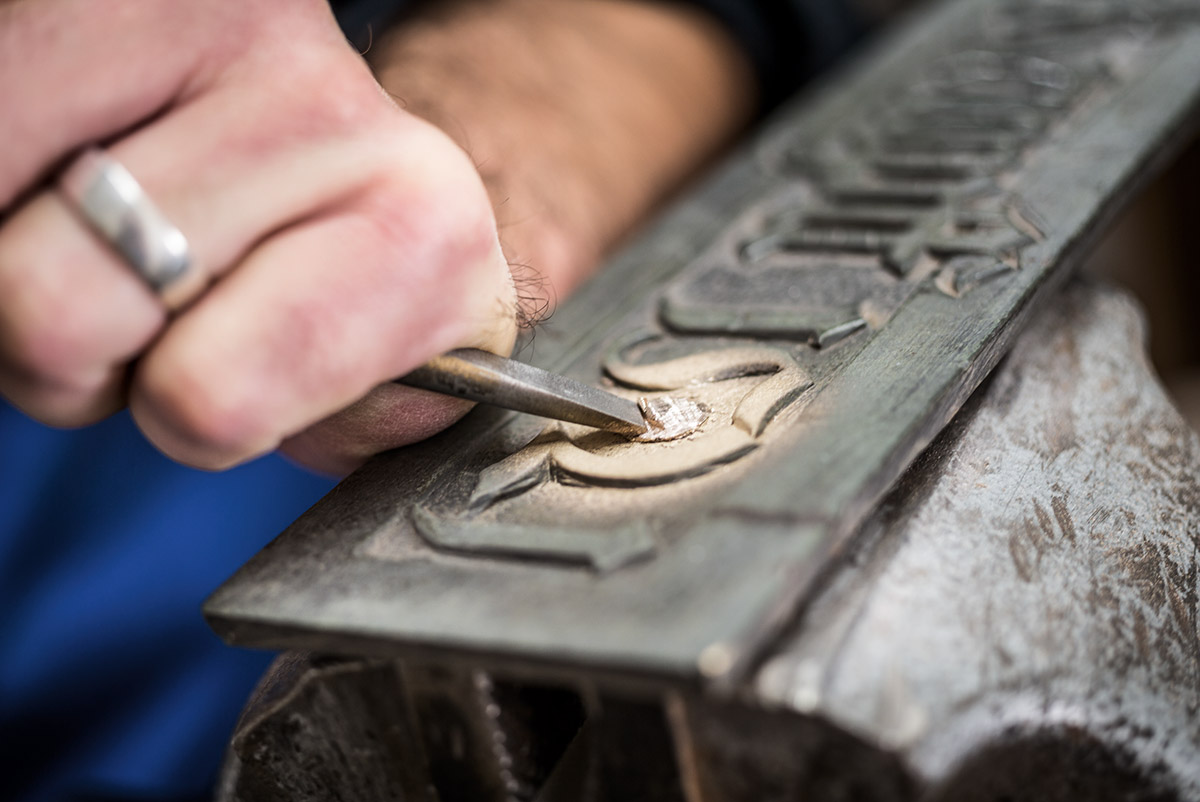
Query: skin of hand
{"x": 347, "y": 239}
{"x": 581, "y": 115}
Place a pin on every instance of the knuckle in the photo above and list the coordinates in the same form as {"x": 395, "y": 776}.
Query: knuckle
{"x": 35, "y": 349}
{"x": 42, "y": 333}
{"x": 191, "y": 415}
{"x": 440, "y": 210}
{"x": 63, "y": 407}
{"x": 64, "y": 316}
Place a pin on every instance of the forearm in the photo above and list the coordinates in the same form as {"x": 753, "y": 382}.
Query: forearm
{"x": 581, "y": 115}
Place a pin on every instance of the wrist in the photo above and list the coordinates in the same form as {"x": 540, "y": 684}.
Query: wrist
{"x": 579, "y": 114}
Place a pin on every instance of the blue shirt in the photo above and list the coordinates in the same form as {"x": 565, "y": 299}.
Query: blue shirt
{"x": 111, "y": 684}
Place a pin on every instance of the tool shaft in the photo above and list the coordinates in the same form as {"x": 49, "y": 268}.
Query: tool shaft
{"x": 481, "y": 376}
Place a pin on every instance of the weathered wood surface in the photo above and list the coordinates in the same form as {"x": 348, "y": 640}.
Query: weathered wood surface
{"x": 835, "y": 294}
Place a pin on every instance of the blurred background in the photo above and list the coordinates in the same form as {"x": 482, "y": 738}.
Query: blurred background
{"x": 1154, "y": 251}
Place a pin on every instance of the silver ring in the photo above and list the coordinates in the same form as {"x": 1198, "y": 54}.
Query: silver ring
{"x": 111, "y": 201}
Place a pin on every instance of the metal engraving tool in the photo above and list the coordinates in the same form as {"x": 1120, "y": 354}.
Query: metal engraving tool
{"x": 490, "y": 379}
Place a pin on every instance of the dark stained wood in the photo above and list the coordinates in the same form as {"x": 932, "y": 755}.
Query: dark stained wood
{"x": 890, "y": 235}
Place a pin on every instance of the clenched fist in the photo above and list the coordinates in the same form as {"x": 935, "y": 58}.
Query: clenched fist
{"x": 343, "y": 241}
{"x": 339, "y": 240}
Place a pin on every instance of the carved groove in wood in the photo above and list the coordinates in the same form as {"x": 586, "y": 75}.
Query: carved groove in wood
{"x": 910, "y": 195}
{"x": 836, "y": 293}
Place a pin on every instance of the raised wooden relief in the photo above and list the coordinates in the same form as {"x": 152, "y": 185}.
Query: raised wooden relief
{"x": 830, "y": 298}
{"x": 565, "y": 469}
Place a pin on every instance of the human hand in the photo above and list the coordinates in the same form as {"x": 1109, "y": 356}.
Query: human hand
{"x": 347, "y": 240}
